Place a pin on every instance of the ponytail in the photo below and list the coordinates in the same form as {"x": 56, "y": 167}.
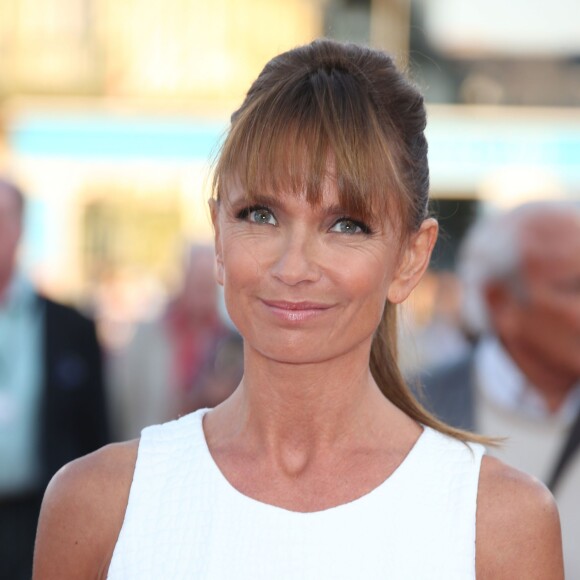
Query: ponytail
{"x": 386, "y": 373}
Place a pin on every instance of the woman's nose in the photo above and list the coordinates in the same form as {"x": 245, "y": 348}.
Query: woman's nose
{"x": 297, "y": 260}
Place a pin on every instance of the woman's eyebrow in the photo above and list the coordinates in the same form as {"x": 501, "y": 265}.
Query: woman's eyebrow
{"x": 272, "y": 201}
{"x": 262, "y": 199}
{"x": 336, "y": 209}
{"x": 249, "y": 199}
{"x": 245, "y": 200}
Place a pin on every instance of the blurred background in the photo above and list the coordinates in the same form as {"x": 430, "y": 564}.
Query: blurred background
{"x": 110, "y": 113}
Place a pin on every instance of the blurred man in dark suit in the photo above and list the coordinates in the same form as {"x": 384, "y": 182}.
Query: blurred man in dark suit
{"x": 52, "y": 406}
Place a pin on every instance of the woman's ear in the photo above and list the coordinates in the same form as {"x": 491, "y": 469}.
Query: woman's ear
{"x": 414, "y": 261}
{"x": 214, "y": 207}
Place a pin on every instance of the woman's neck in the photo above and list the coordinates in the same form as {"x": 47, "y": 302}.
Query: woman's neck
{"x": 306, "y": 406}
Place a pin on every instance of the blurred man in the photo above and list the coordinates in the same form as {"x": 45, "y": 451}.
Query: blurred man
{"x": 183, "y": 360}
{"x": 522, "y": 273}
{"x": 52, "y": 406}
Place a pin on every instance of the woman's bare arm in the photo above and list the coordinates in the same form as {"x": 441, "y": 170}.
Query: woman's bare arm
{"x": 518, "y": 527}
{"x": 82, "y": 514}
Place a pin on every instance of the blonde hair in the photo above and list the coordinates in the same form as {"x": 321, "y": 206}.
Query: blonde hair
{"x": 350, "y": 106}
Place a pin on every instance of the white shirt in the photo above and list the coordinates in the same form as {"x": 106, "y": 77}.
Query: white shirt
{"x": 20, "y": 387}
{"x": 503, "y": 383}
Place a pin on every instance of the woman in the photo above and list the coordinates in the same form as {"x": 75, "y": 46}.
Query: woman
{"x": 321, "y": 464}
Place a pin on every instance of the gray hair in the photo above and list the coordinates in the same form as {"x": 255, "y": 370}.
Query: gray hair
{"x": 491, "y": 251}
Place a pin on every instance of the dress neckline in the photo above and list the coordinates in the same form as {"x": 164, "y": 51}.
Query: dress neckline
{"x": 395, "y": 478}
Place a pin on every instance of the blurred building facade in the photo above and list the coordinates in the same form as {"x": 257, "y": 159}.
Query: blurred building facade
{"x": 178, "y": 49}
{"x": 109, "y": 115}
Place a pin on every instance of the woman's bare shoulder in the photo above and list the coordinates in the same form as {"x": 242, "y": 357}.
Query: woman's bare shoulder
{"x": 518, "y": 526}
{"x": 82, "y": 513}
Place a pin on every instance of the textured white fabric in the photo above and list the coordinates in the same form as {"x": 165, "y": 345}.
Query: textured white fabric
{"x": 185, "y": 520}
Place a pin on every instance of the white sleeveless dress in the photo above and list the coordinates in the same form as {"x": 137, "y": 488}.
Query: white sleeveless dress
{"x": 184, "y": 520}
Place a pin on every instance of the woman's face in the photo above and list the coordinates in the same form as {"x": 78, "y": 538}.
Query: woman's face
{"x": 307, "y": 283}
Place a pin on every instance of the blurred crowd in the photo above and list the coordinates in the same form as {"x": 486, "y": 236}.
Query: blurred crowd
{"x": 493, "y": 347}
{"x": 64, "y": 393}
{"x": 186, "y": 358}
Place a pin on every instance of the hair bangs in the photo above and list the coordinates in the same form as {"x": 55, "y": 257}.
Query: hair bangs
{"x": 299, "y": 137}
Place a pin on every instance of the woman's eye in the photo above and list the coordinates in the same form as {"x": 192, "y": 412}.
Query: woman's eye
{"x": 261, "y": 216}
{"x": 257, "y": 215}
{"x": 349, "y": 226}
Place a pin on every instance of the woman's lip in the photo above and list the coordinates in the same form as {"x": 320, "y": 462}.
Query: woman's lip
{"x": 292, "y": 312}
{"x": 296, "y": 306}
